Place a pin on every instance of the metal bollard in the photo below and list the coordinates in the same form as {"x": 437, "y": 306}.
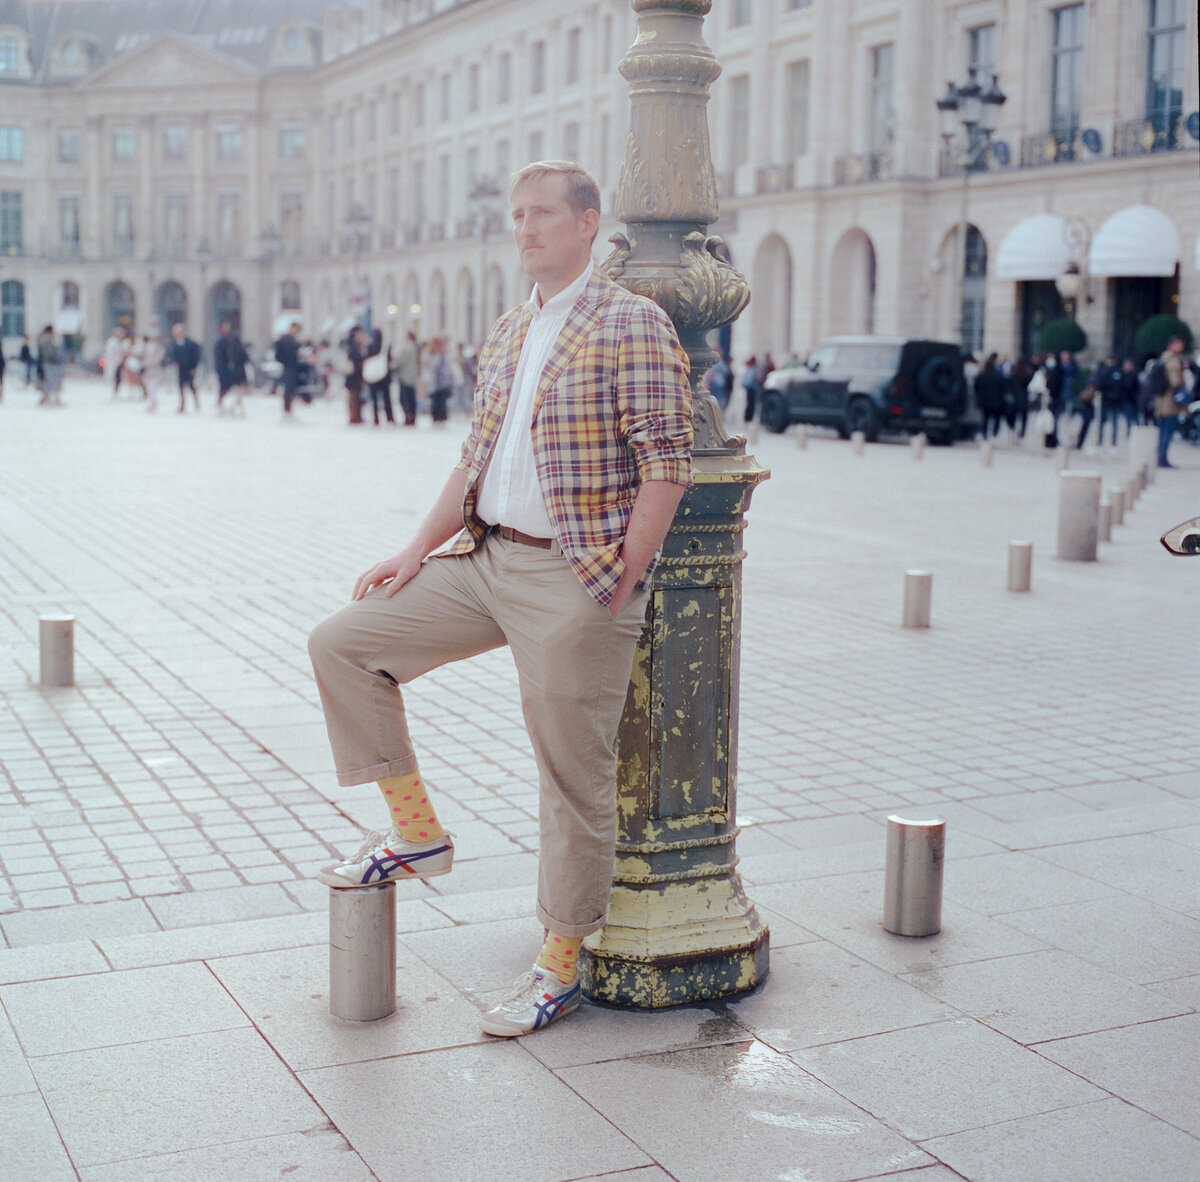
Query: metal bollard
{"x": 1144, "y": 476}
{"x": 986, "y": 452}
{"x": 1078, "y": 515}
{"x": 1132, "y": 488}
{"x": 1020, "y": 565}
{"x": 858, "y": 442}
{"x": 56, "y": 645}
{"x": 912, "y": 889}
{"x": 918, "y": 597}
{"x": 362, "y": 952}
{"x": 917, "y": 444}
{"x": 1117, "y": 497}
{"x": 801, "y": 438}
{"x": 1105, "y": 527}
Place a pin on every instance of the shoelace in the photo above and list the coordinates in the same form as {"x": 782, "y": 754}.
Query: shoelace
{"x": 373, "y": 840}
{"x": 520, "y": 989}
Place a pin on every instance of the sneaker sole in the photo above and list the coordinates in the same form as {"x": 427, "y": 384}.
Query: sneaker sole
{"x": 340, "y": 883}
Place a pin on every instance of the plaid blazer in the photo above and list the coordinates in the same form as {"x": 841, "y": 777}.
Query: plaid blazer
{"x": 613, "y": 409}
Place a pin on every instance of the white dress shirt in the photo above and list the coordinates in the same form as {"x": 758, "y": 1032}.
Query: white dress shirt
{"x": 509, "y": 491}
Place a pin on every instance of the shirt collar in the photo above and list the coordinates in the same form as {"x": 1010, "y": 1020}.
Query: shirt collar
{"x": 557, "y": 305}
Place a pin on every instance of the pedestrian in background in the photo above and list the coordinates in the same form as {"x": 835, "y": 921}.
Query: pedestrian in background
{"x": 408, "y": 370}
{"x": 356, "y": 354}
{"x": 114, "y": 357}
{"x": 749, "y": 383}
{"x": 1107, "y": 380}
{"x": 990, "y": 387}
{"x": 377, "y": 372}
{"x": 28, "y": 359}
{"x": 439, "y": 380}
{"x": 51, "y": 367}
{"x": 184, "y": 354}
{"x": 154, "y": 357}
{"x": 1171, "y": 399}
{"x": 1131, "y": 391}
{"x": 229, "y": 360}
{"x": 1017, "y": 398}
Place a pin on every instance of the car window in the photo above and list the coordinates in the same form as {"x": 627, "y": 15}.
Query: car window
{"x": 869, "y": 358}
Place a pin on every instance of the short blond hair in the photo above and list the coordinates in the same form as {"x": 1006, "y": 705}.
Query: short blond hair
{"x": 582, "y": 191}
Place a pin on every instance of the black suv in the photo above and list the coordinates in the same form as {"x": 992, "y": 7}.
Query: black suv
{"x": 872, "y": 384}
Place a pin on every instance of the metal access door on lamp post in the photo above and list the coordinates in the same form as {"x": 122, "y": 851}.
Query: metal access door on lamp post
{"x": 359, "y": 226}
{"x": 974, "y": 110}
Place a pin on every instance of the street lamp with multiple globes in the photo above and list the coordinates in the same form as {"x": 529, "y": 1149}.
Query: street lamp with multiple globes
{"x": 976, "y": 110}
{"x": 359, "y": 225}
{"x": 1072, "y": 283}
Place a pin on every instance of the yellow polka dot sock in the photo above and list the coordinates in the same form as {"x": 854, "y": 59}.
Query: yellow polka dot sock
{"x": 408, "y": 806}
{"x": 560, "y": 954}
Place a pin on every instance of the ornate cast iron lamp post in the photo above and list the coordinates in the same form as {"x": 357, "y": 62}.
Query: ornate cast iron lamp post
{"x": 680, "y": 927}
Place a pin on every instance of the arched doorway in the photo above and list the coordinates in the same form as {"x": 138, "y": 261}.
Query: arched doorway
{"x": 773, "y": 298}
{"x": 464, "y": 307}
{"x": 962, "y": 294}
{"x": 852, "y": 295}
{"x": 224, "y": 304}
{"x": 119, "y": 308}
{"x": 171, "y": 306}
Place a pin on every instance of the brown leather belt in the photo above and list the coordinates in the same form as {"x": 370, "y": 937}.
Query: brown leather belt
{"x": 515, "y": 535}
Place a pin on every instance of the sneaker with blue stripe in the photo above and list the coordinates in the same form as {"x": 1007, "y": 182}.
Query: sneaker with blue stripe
{"x": 388, "y": 858}
{"x": 537, "y": 999}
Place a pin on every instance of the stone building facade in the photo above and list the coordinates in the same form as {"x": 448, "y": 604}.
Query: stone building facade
{"x": 267, "y": 160}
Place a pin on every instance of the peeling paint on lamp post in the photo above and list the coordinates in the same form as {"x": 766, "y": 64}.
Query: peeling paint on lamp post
{"x": 680, "y": 928}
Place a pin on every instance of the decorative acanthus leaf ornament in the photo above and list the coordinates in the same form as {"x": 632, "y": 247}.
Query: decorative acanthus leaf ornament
{"x": 711, "y": 292}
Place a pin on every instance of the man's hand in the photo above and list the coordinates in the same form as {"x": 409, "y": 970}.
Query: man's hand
{"x": 653, "y": 512}
{"x": 398, "y": 569}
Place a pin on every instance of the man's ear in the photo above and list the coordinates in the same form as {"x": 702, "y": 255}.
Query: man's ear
{"x": 591, "y": 219}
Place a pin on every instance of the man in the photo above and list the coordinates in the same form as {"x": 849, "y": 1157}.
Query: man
{"x": 1167, "y": 401}
{"x": 229, "y": 360}
{"x": 185, "y": 356}
{"x": 408, "y": 369}
{"x": 576, "y": 459}
{"x": 1107, "y": 380}
{"x": 287, "y": 353}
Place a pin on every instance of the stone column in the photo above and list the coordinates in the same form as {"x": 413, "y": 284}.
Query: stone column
{"x": 680, "y": 928}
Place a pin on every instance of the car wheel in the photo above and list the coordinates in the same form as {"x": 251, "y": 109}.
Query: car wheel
{"x": 773, "y": 414}
{"x": 939, "y": 382}
{"x": 861, "y": 416}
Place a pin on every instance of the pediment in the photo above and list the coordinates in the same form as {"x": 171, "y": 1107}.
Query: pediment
{"x": 168, "y": 60}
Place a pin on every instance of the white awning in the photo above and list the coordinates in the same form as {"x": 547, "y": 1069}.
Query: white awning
{"x": 1140, "y": 240}
{"x": 1035, "y": 248}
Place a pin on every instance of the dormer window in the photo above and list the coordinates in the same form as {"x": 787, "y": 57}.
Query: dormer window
{"x": 10, "y": 55}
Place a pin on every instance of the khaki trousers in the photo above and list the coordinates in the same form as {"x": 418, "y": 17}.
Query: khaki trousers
{"x": 573, "y": 663}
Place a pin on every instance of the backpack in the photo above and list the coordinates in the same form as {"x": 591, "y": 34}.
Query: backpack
{"x": 1156, "y": 380}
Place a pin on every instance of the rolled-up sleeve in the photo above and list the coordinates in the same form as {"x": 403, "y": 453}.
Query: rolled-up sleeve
{"x": 654, "y": 397}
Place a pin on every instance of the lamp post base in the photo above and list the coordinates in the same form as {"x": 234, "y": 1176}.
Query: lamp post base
{"x": 675, "y": 943}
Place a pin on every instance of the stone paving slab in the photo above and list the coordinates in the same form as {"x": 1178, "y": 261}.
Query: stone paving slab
{"x": 160, "y": 823}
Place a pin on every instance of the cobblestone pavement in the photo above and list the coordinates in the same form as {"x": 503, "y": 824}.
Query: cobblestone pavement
{"x": 163, "y": 972}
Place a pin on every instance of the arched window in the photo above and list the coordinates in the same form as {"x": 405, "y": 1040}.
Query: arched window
{"x": 225, "y": 304}
{"x": 974, "y": 288}
{"x": 12, "y": 308}
{"x": 289, "y": 296}
{"x": 119, "y": 307}
{"x": 70, "y": 295}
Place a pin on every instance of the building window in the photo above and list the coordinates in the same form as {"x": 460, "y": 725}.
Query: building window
{"x": 981, "y": 52}
{"x": 571, "y": 141}
{"x": 124, "y": 142}
{"x": 574, "y": 55}
{"x": 606, "y": 43}
{"x": 175, "y": 223}
{"x": 743, "y": 11}
{"x": 289, "y": 296}
{"x": 796, "y": 120}
{"x": 537, "y": 67}
{"x": 123, "y": 223}
{"x": 10, "y": 58}
{"x": 372, "y": 120}
{"x": 419, "y": 105}
{"x": 443, "y": 193}
{"x": 291, "y": 218}
{"x": 369, "y": 195}
{"x": 393, "y": 199}
{"x": 70, "y": 294}
{"x": 444, "y": 103}
{"x": 503, "y": 160}
{"x": 228, "y": 221}
{"x": 350, "y": 130}
{"x": 1166, "y": 68}
{"x": 602, "y": 152}
{"x": 70, "y": 145}
{"x": 291, "y": 140}
{"x": 472, "y": 159}
{"x": 418, "y": 192}
{"x": 394, "y": 120}
{"x": 12, "y": 224}
{"x": 1066, "y": 71}
{"x": 883, "y": 67}
{"x": 12, "y": 308}
{"x": 504, "y": 78}
{"x": 12, "y": 145}
{"x": 229, "y": 142}
{"x": 473, "y": 87}
{"x": 68, "y": 223}
{"x": 739, "y": 120}
{"x": 175, "y": 142}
